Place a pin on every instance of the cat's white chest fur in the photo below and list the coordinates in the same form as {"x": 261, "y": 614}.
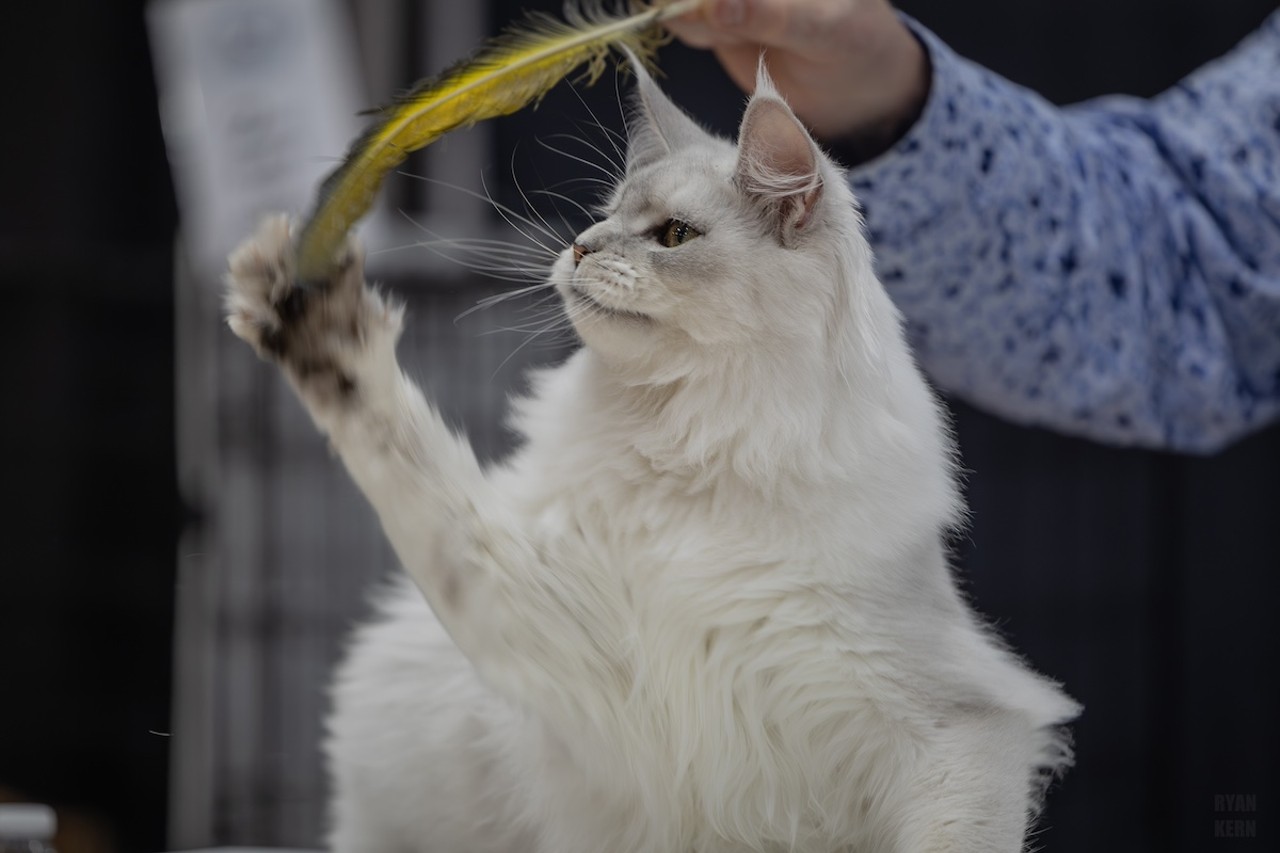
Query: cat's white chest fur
{"x": 706, "y": 607}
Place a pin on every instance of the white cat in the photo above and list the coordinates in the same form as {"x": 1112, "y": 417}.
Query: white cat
{"x": 707, "y": 606}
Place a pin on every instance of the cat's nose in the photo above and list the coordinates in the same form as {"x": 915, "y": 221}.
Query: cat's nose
{"x": 579, "y": 252}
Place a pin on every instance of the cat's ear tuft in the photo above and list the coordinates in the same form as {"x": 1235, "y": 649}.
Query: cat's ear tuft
{"x": 656, "y": 126}
{"x": 779, "y": 165}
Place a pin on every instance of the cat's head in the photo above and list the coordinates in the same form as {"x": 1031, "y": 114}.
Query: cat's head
{"x": 707, "y": 245}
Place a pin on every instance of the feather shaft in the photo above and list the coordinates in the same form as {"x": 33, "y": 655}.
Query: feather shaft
{"x": 511, "y": 73}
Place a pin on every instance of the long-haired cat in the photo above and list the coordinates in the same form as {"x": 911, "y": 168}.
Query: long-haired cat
{"x": 707, "y": 606}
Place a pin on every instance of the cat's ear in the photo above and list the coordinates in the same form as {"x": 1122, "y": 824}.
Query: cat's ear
{"x": 656, "y": 126}
{"x": 779, "y": 166}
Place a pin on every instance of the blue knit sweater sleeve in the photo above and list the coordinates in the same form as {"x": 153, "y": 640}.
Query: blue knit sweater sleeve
{"x": 1110, "y": 270}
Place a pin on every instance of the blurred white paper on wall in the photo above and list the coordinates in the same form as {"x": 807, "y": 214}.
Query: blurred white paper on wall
{"x": 258, "y": 101}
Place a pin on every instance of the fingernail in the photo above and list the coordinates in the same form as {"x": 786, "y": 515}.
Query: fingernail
{"x": 731, "y": 13}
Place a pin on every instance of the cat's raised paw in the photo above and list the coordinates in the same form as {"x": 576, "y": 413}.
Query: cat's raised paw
{"x": 316, "y": 331}
{"x": 259, "y": 281}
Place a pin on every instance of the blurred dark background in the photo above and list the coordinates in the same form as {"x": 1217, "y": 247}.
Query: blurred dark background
{"x": 1145, "y": 582}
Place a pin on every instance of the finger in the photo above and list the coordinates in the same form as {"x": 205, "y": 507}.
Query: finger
{"x": 763, "y": 22}
{"x": 692, "y": 30}
{"x": 695, "y": 30}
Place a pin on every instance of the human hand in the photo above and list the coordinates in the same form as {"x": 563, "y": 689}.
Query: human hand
{"x": 849, "y": 68}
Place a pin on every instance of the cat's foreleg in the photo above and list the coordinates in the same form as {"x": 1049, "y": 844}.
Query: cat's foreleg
{"x": 525, "y": 630}
{"x": 975, "y": 794}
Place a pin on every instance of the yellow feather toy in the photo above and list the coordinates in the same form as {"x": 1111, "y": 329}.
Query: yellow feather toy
{"x": 508, "y": 74}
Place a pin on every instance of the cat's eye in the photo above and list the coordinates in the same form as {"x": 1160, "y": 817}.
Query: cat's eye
{"x": 675, "y": 232}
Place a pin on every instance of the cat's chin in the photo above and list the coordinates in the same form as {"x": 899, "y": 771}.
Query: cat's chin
{"x": 581, "y": 304}
{"x": 622, "y": 338}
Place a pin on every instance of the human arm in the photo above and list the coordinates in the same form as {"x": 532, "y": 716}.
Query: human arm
{"x": 1107, "y": 270}
{"x": 1110, "y": 270}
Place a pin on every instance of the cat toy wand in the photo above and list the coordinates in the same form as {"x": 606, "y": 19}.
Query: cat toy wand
{"x": 509, "y": 73}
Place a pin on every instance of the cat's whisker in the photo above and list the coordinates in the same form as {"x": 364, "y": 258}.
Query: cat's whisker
{"x": 499, "y": 260}
{"x": 533, "y": 255}
{"x": 509, "y": 215}
{"x": 598, "y": 190}
{"x": 538, "y": 308}
{"x": 594, "y": 191}
{"x": 512, "y": 279}
{"x": 564, "y": 221}
{"x": 531, "y": 337}
{"x": 515, "y": 181}
{"x": 552, "y": 194}
{"x": 504, "y": 247}
{"x": 589, "y": 180}
{"x": 467, "y": 259}
{"x": 546, "y": 227}
{"x": 616, "y": 140}
{"x": 549, "y": 304}
{"x": 609, "y": 134}
{"x": 497, "y": 299}
{"x": 555, "y": 318}
{"x": 618, "y": 101}
{"x": 532, "y": 328}
{"x": 503, "y": 297}
{"x": 511, "y": 274}
{"x": 524, "y": 268}
{"x": 516, "y": 328}
{"x": 485, "y": 259}
{"x": 576, "y": 310}
{"x": 482, "y": 261}
{"x": 609, "y": 174}
{"x": 615, "y": 168}
{"x": 529, "y": 204}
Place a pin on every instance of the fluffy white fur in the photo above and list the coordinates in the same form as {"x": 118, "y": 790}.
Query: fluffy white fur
{"x": 707, "y": 606}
